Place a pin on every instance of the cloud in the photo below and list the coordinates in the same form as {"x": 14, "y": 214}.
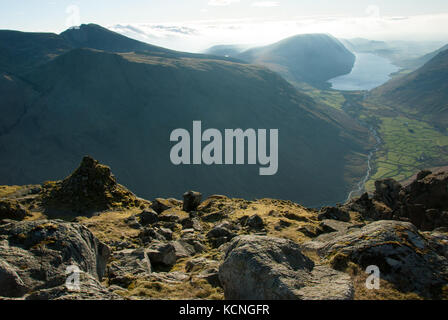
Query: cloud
{"x": 195, "y": 36}
{"x": 265, "y": 4}
{"x": 221, "y": 2}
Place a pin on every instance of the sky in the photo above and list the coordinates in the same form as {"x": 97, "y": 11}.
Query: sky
{"x": 194, "y": 25}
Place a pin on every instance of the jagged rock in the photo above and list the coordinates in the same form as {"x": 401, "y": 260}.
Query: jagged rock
{"x": 255, "y": 222}
{"x": 220, "y": 234}
{"x": 387, "y": 191}
{"x": 191, "y": 223}
{"x": 149, "y": 234}
{"x": 168, "y": 253}
{"x": 37, "y": 254}
{"x": 12, "y": 209}
{"x": 424, "y": 202}
{"x": 282, "y": 224}
{"x": 192, "y": 200}
{"x": 148, "y": 217}
{"x": 423, "y": 174}
{"x": 159, "y": 205}
{"x": 214, "y": 217}
{"x": 211, "y": 276}
{"x": 166, "y": 233}
{"x": 90, "y": 188}
{"x": 405, "y": 257}
{"x": 11, "y": 285}
{"x": 133, "y": 222}
{"x": 311, "y": 231}
{"x": 335, "y": 213}
{"x": 428, "y": 192}
{"x": 128, "y": 264}
{"x": 260, "y": 268}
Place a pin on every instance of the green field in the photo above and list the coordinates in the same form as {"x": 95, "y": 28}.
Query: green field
{"x": 332, "y": 98}
{"x": 408, "y": 146}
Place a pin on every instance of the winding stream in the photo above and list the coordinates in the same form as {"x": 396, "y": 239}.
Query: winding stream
{"x": 360, "y": 186}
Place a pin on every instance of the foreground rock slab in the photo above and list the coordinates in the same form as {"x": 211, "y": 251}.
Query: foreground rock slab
{"x": 267, "y": 268}
{"x": 411, "y": 260}
{"x": 34, "y": 256}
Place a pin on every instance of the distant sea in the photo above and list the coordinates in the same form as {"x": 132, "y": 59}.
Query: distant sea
{"x": 369, "y": 71}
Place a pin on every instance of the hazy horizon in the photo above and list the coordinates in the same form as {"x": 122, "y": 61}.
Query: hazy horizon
{"x": 198, "y": 24}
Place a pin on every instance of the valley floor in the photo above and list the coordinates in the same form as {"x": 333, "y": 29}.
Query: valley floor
{"x": 408, "y": 143}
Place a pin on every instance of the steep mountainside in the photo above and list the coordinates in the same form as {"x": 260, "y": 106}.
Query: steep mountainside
{"x": 310, "y": 58}
{"x": 424, "y": 91}
{"x": 21, "y": 51}
{"x": 122, "y": 107}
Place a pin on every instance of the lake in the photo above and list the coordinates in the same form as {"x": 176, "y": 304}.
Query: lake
{"x": 369, "y": 71}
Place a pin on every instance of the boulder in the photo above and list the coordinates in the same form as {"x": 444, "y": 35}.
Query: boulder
{"x": 35, "y": 254}
{"x": 406, "y": 258}
{"x": 168, "y": 253}
{"x": 192, "y": 200}
{"x": 267, "y": 268}
{"x": 12, "y": 209}
{"x": 128, "y": 264}
{"x": 148, "y": 217}
{"x": 255, "y": 222}
{"x": 159, "y": 205}
{"x": 220, "y": 234}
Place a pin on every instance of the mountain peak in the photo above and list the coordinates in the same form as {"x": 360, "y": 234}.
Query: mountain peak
{"x": 97, "y": 37}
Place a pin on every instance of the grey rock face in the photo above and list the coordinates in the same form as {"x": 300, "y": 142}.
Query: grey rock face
{"x": 407, "y": 258}
{"x": 168, "y": 253}
{"x": 128, "y": 263}
{"x": 90, "y": 289}
{"x": 192, "y": 200}
{"x": 260, "y": 268}
{"x": 34, "y": 255}
{"x": 10, "y": 283}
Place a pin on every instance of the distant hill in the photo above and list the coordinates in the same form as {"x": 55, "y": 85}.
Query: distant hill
{"x": 121, "y": 107}
{"x": 310, "y": 58}
{"x": 418, "y": 62}
{"x": 406, "y": 54}
{"x": 424, "y": 91}
{"x": 226, "y": 50}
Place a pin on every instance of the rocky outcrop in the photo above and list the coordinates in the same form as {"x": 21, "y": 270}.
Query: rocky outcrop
{"x": 12, "y": 209}
{"x": 424, "y": 202}
{"x": 34, "y": 255}
{"x": 90, "y": 188}
{"x": 192, "y": 200}
{"x": 412, "y": 261}
{"x": 260, "y": 268}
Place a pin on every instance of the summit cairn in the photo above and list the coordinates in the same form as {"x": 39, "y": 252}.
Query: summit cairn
{"x": 90, "y": 188}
